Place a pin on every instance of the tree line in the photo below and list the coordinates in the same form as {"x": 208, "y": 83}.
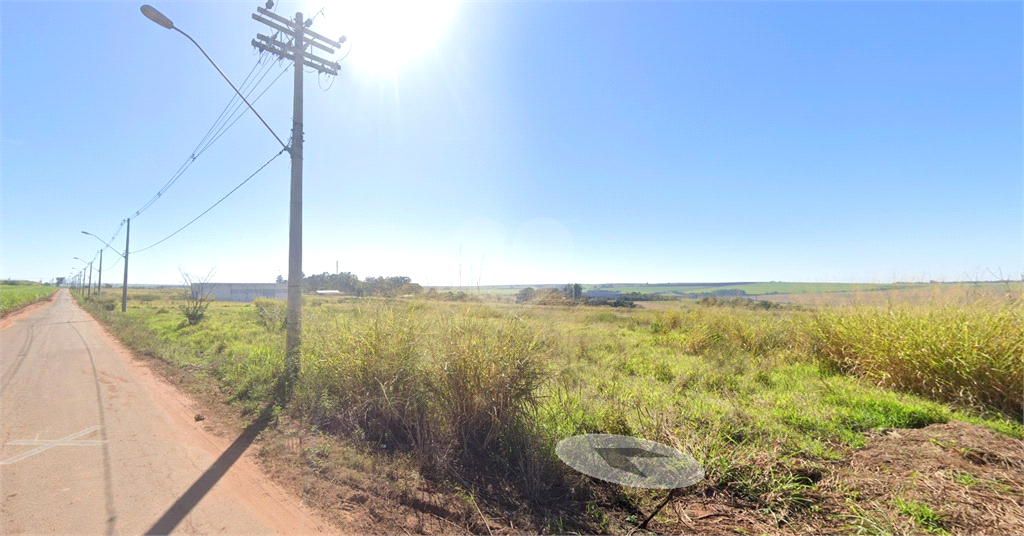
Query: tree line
{"x": 349, "y": 283}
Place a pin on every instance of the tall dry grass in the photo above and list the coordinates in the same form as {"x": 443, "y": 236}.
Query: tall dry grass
{"x": 450, "y": 387}
{"x": 966, "y": 352}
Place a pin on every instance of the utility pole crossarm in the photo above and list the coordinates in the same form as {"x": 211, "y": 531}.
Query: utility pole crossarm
{"x": 313, "y": 35}
{"x": 288, "y": 51}
{"x": 269, "y": 44}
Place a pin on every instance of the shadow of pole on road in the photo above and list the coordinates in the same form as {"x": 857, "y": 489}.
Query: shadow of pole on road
{"x": 181, "y": 507}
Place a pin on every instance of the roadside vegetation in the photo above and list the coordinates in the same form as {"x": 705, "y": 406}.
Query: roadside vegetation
{"x": 17, "y": 294}
{"x": 471, "y": 397}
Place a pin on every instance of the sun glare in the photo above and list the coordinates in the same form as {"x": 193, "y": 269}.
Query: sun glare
{"x": 387, "y": 34}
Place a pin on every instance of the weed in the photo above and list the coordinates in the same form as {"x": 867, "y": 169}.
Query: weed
{"x": 874, "y": 521}
{"x": 965, "y": 478}
{"x": 924, "y": 516}
{"x": 271, "y": 314}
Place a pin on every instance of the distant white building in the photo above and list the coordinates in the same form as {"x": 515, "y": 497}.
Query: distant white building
{"x": 244, "y": 292}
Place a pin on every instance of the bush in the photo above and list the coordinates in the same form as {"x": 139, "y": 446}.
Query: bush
{"x": 197, "y": 297}
{"x": 271, "y": 314}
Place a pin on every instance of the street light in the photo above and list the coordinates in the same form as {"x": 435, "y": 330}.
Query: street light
{"x": 293, "y": 322}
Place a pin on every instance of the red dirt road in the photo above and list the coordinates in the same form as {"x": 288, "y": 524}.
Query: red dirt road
{"x": 93, "y": 443}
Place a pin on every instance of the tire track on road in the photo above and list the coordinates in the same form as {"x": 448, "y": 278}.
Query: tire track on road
{"x": 108, "y": 487}
{"x": 27, "y": 346}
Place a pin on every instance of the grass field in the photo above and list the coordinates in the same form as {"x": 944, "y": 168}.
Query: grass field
{"x": 14, "y": 297}
{"x": 477, "y": 394}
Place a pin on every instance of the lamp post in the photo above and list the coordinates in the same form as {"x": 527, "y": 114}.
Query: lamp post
{"x": 297, "y": 29}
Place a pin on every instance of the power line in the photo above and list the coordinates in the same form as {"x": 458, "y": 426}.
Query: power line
{"x": 120, "y": 257}
{"x": 191, "y": 158}
{"x": 225, "y": 120}
{"x": 282, "y": 151}
{"x": 219, "y": 127}
{"x": 213, "y": 134}
{"x": 225, "y": 129}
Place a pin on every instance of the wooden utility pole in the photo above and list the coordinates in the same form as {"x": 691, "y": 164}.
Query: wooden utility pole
{"x": 99, "y": 274}
{"x": 300, "y": 38}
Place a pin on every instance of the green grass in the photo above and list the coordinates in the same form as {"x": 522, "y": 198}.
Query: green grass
{"x": 764, "y": 399}
{"x": 923, "y": 515}
{"x": 14, "y": 297}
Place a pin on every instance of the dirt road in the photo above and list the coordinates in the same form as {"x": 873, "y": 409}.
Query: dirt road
{"x": 92, "y": 443}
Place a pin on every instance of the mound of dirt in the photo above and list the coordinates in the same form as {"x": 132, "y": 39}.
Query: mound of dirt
{"x": 955, "y": 478}
{"x": 969, "y": 476}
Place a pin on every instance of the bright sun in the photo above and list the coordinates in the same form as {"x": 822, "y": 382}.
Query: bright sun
{"x": 384, "y": 34}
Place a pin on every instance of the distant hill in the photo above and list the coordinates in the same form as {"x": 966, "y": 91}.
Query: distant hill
{"x": 696, "y": 290}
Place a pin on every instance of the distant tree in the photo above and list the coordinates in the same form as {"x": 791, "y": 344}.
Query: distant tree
{"x": 623, "y": 302}
{"x": 525, "y": 295}
{"x": 280, "y": 280}
{"x": 573, "y": 292}
{"x": 60, "y": 281}
{"x": 412, "y": 289}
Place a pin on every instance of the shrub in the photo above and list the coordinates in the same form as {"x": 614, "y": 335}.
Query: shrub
{"x": 271, "y": 314}
{"x": 197, "y": 297}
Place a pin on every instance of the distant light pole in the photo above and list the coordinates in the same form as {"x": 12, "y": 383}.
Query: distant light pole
{"x": 89, "y": 287}
{"x": 89, "y": 264}
{"x": 99, "y": 274}
{"x": 124, "y": 287}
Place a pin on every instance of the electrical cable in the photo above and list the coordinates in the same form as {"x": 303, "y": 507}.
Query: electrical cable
{"x": 200, "y": 149}
{"x": 347, "y": 53}
{"x": 319, "y": 83}
{"x": 216, "y": 132}
{"x": 282, "y": 151}
{"x": 188, "y": 161}
{"x": 335, "y": 76}
{"x": 220, "y": 125}
{"x": 120, "y": 258}
{"x": 254, "y": 100}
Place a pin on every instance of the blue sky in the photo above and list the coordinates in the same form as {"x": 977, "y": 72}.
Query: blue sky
{"x": 527, "y": 142}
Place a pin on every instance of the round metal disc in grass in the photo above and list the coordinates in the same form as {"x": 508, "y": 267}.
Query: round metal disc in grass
{"x": 629, "y": 461}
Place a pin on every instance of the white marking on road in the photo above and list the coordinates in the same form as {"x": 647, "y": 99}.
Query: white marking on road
{"x": 47, "y": 444}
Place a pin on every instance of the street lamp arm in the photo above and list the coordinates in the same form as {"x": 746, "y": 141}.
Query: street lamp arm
{"x": 154, "y": 15}
{"x": 232, "y": 86}
{"x": 98, "y": 238}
